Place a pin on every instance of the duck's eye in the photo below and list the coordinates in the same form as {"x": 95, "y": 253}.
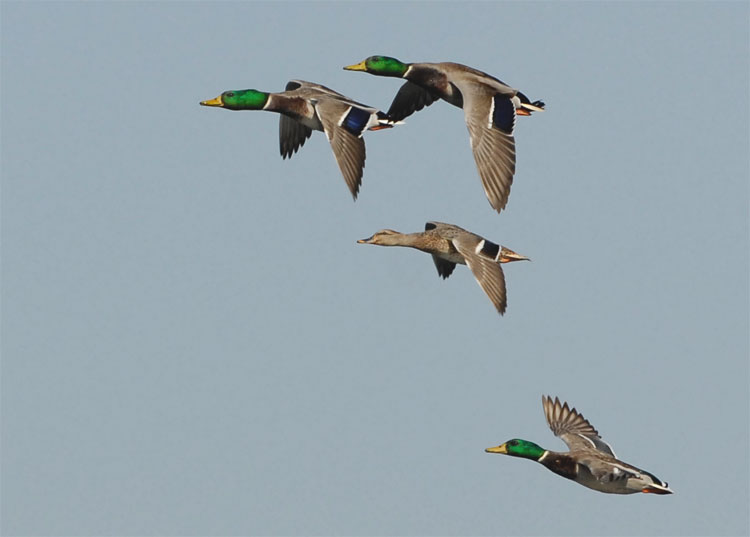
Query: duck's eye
{"x": 514, "y": 442}
{"x": 230, "y": 94}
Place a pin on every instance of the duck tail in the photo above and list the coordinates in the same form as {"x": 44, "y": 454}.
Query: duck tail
{"x": 385, "y": 122}
{"x": 536, "y": 106}
{"x": 657, "y": 488}
{"x": 527, "y": 107}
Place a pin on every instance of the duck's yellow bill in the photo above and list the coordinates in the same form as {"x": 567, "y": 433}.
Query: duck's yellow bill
{"x": 213, "y": 102}
{"x": 499, "y": 449}
{"x": 356, "y": 67}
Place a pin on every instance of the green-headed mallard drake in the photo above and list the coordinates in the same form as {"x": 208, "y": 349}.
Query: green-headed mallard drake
{"x": 451, "y": 245}
{"x": 490, "y": 108}
{"x": 590, "y": 461}
{"x": 305, "y": 107}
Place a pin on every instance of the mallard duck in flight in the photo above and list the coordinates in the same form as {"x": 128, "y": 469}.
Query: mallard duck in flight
{"x": 305, "y": 107}
{"x": 490, "y": 107}
{"x": 451, "y": 245}
{"x": 590, "y": 461}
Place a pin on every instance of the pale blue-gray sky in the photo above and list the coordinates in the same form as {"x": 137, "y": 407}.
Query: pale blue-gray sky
{"x": 193, "y": 343}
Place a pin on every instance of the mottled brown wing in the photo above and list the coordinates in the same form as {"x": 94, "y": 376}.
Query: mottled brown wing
{"x": 487, "y": 272}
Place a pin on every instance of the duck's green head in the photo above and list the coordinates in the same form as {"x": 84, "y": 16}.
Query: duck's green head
{"x": 380, "y": 65}
{"x": 519, "y": 448}
{"x": 248, "y": 99}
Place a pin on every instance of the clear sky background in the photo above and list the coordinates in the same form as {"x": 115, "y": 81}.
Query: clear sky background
{"x": 193, "y": 343}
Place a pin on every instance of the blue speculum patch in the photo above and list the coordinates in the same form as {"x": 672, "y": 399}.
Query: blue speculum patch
{"x": 504, "y": 114}
{"x": 356, "y": 120}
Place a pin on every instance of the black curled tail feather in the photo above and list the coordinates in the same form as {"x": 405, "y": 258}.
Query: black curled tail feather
{"x": 526, "y": 100}
{"x": 386, "y": 120}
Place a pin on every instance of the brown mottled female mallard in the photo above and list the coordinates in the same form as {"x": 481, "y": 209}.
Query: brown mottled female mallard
{"x": 451, "y": 245}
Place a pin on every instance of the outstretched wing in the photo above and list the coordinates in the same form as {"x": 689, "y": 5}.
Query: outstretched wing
{"x": 570, "y": 426}
{"x": 292, "y": 136}
{"x": 409, "y": 99}
{"x": 490, "y": 120}
{"x": 348, "y": 148}
{"x": 292, "y": 133}
{"x": 444, "y": 267}
{"x": 487, "y": 271}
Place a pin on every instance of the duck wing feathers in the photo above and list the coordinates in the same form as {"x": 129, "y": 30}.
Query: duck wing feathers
{"x": 572, "y": 428}
{"x": 490, "y": 118}
{"x": 292, "y": 135}
{"x": 486, "y": 269}
{"x": 409, "y": 99}
{"x": 348, "y": 149}
{"x": 487, "y": 272}
{"x": 608, "y": 471}
{"x": 316, "y": 92}
{"x": 342, "y": 120}
{"x": 443, "y": 266}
